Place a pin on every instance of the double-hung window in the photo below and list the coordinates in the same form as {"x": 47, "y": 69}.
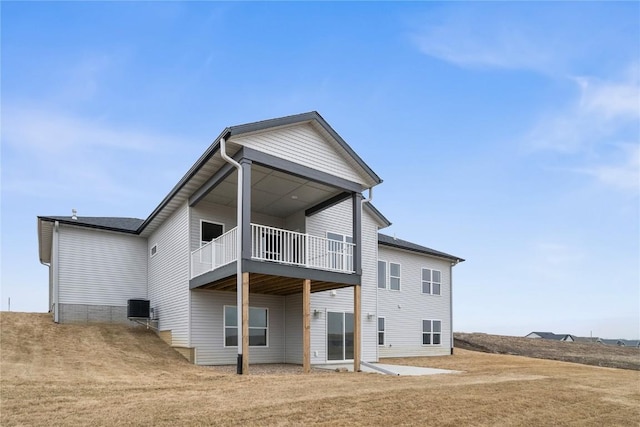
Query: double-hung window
{"x": 431, "y": 332}
{"x": 394, "y": 276}
{"x": 381, "y": 330}
{"x": 393, "y": 279}
{"x": 258, "y": 326}
{"x": 431, "y": 281}
{"x": 382, "y": 274}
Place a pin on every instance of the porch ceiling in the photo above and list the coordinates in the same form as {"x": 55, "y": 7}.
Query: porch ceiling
{"x": 272, "y": 285}
{"x": 273, "y": 192}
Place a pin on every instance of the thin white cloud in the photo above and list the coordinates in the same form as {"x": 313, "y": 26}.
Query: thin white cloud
{"x": 601, "y": 126}
{"x": 69, "y": 155}
{"x": 551, "y": 38}
{"x": 623, "y": 174}
{"x": 467, "y": 44}
{"x": 498, "y": 36}
{"x": 614, "y": 99}
{"x": 603, "y": 110}
{"x": 51, "y": 131}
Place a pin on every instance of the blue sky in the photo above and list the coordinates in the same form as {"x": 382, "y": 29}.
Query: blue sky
{"x": 506, "y": 133}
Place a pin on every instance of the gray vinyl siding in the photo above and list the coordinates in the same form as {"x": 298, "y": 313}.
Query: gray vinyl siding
{"x": 404, "y": 310}
{"x": 226, "y": 215}
{"x": 338, "y": 219}
{"x": 369, "y": 287}
{"x": 100, "y": 268}
{"x": 293, "y": 328}
{"x": 207, "y": 328}
{"x": 169, "y": 275}
{"x": 302, "y": 144}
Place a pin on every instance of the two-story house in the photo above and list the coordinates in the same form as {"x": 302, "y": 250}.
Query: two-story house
{"x": 266, "y": 250}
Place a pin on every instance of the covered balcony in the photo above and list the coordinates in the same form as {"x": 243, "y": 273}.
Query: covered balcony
{"x": 283, "y": 216}
{"x": 285, "y": 236}
{"x": 270, "y": 244}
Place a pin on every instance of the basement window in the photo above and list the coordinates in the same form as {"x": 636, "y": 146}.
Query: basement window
{"x": 381, "y": 330}
{"x": 258, "y": 326}
{"x": 431, "y": 332}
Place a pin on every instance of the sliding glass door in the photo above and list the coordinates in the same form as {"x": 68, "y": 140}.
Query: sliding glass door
{"x": 339, "y": 336}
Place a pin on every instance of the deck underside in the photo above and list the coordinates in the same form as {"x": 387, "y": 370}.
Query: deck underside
{"x": 273, "y": 285}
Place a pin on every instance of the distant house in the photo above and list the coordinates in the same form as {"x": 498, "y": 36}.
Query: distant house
{"x": 620, "y": 342}
{"x": 574, "y": 338}
{"x": 608, "y": 341}
{"x": 302, "y": 257}
{"x": 546, "y": 336}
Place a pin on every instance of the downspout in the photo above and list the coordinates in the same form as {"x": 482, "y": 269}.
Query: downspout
{"x": 48, "y": 265}
{"x": 55, "y": 263}
{"x": 367, "y": 200}
{"x": 223, "y": 152}
{"x": 370, "y": 198}
{"x": 451, "y": 301}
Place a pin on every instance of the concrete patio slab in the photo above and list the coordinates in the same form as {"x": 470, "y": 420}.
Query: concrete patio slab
{"x": 400, "y": 370}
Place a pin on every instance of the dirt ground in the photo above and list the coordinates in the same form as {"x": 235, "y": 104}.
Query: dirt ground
{"x": 112, "y": 375}
{"x": 596, "y": 354}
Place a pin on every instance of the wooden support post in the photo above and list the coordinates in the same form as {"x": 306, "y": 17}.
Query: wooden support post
{"x": 357, "y": 320}
{"x": 306, "y": 325}
{"x": 245, "y": 323}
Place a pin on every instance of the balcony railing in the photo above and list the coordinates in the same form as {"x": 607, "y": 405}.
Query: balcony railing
{"x": 218, "y": 252}
{"x": 272, "y": 244}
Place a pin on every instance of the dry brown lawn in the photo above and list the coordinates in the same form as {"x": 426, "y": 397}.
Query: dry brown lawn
{"x": 113, "y": 375}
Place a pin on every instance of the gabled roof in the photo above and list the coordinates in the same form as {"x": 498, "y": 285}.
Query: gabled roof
{"x": 608, "y": 341}
{"x": 301, "y": 118}
{"x": 191, "y": 180}
{"x": 393, "y": 242}
{"x": 238, "y": 130}
{"x": 124, "y": 225}
{"x": 549, "y": 335}
{"x": 584, "y": 339}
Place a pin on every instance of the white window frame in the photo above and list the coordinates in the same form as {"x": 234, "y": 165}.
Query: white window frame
{"x": 431, "y": 282}
{"x": 383, "y": 331}
{"x": 386, "y": 272}
{"x": 224, "y": 327}
{"x": 344, "y": 333}
{"x": 153, "y": 252}
{"x": 399, "y": 277}
{"x": 347, "y": 262}
{"x": 431, "y": 333}
{"x": 202, "y": 242}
